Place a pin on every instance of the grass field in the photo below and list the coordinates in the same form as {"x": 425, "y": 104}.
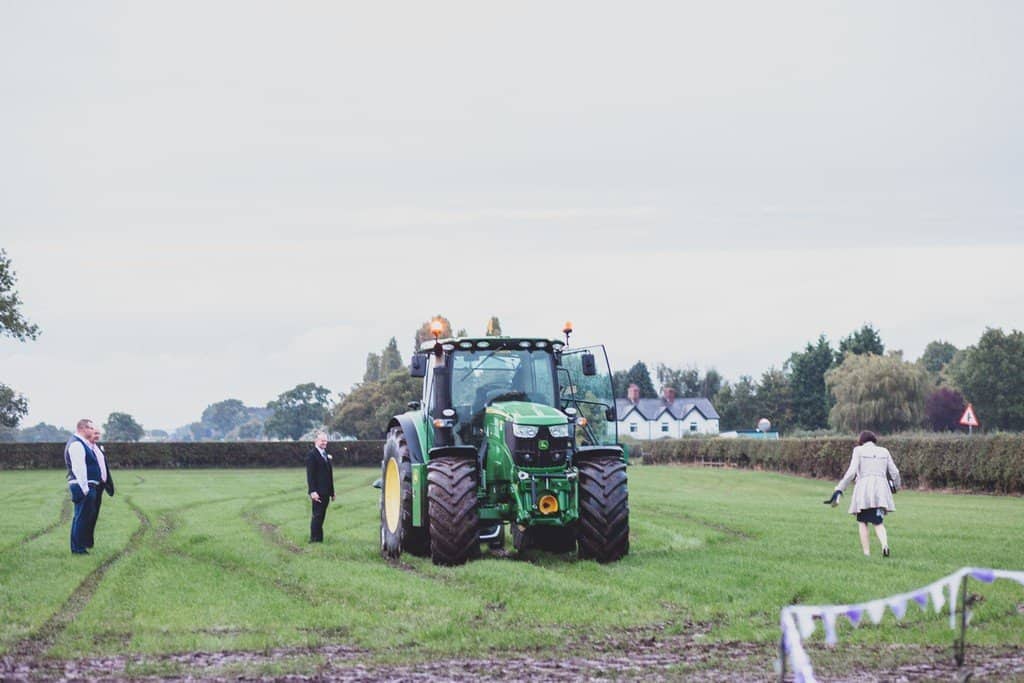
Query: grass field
{"x": 215, "y": 560}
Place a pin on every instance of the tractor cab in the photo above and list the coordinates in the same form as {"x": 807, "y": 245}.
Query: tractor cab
{"x": 470, "y": 375}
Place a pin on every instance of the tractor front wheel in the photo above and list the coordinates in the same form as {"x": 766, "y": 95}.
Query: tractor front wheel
{"x": 397, "y": 534}
{"x": 604, "y": 509}
{"x": 452, "y": 505}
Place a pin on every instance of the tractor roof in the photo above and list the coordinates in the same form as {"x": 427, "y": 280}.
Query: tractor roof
{"x": 482, "y": 343}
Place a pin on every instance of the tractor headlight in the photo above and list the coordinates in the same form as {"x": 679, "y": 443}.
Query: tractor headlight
{"x": 524, "y": 431}
{"x": 559, "y": 431}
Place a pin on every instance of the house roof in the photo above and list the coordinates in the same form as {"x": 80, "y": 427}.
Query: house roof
{"x": 653, "y": 408}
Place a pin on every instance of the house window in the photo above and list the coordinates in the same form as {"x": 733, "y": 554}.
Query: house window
{"x": 632, "y": 427}
{"x": 693, "y": 426}
{"x": 664, "y": 427}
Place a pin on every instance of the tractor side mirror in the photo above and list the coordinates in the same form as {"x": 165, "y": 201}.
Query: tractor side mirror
{"x": 418, "y": 365}
{"x": 413, "y": 405}
{"x": 589, "y": 364}
{"x": 609, "y": 414}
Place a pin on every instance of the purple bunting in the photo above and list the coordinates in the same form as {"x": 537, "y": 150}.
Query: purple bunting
{"x": 983, "y": 575}
{"x": 854, "y": 614}
{"x": 921, "y": 599}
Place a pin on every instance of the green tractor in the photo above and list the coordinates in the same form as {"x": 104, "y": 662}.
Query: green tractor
{"x": 516, "y": 431}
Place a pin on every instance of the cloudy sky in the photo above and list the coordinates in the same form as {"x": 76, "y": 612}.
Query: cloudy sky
{"x": 213, "y": 200}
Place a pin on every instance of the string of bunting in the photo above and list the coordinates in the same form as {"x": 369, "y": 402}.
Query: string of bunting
{"x": 798, "y": 622}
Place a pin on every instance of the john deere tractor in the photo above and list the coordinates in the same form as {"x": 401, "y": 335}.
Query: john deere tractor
{"x": 509, "y": 431}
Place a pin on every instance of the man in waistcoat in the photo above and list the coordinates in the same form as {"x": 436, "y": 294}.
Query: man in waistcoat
{"x": 107, "y": 484}
{"x": 84, "y": 481}
{"x": 320, "y": 482}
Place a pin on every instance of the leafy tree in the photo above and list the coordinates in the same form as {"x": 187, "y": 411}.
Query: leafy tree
{"x": 365, "y": 411}
{"x": 224, "y": 416}
{"x": 737, "y": 404}
{"x": 710, "y": 383}
{"x": 12, "y": 322}
{"x": 936, "y": 356}
{"x": 990, "y": 375}
{"x": 423, "y": 333}
{"x": 689, "y": 381}
{"x": 775, "y": 399}
{"x": 250, "y": 431}
{"x": 197, "y": 431}
{"x": 42, "y": 433}
{"x": 122, "y": 427}
{"x": 390, "y": 358}
{"x": 640, "y": 376}
{"x": 297, "y": 411}
{"x": 619, "y": 383}
{"x": 864, "y": 340}
{"x": 882, "y": 393}
{"x": 372, "y": 373}
{"x": 493, "y": 327}
{"x": 13, "y": 406}
{"x": 806, "y": 370}
{"x": 943, "y": 409}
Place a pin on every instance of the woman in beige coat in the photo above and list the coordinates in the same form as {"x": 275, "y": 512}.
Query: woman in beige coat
{"x": 873, "y": 468}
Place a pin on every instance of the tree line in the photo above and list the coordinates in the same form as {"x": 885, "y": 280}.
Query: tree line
{"x": 859, "y": 385}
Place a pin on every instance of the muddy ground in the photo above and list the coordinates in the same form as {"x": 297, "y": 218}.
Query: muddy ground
{"x": 654, "y": 658}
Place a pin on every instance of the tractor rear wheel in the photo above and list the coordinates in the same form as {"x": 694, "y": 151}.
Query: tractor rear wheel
{"x": 397, "y": 534}
{"x": 604, "y": 509}
{"x": 454, "y": 520}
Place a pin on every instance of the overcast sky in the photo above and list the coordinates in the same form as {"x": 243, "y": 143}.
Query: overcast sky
{"x": 214, "y": 200}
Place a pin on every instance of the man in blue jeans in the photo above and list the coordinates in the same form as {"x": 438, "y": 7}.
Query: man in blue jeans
{"x": 84, "y": 481}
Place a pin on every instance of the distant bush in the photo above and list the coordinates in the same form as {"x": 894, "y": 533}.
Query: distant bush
{"x": 981, "y": 463}
{"x": 174, "y": 455}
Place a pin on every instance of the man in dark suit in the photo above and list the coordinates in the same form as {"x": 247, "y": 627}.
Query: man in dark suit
{"x": 320, "y": 482}
{"x": 84, "y": 482}
{"x": 106, "y": 484}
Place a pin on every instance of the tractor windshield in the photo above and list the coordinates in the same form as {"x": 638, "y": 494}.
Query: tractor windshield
{"x": 481, "y": 377}
{"x": 591, "y": 395}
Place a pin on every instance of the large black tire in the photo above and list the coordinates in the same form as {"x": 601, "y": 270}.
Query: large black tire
{"x": 397, "y": 534}
{"x": 454, "y": 520}
{"x": 604, "y": 510}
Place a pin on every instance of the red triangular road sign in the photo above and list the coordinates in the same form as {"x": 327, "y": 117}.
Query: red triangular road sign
{"x": 969, "y": 419}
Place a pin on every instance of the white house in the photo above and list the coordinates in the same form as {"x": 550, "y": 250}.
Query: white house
{"x": 665, "y": 417}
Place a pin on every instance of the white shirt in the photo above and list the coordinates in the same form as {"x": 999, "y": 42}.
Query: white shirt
{"x": 101, "y": 457}
{"x": 76, "y": 454}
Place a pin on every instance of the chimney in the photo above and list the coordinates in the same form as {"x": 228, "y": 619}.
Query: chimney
{"x": 633, "y": 393}
{"x": 668, "y": 394}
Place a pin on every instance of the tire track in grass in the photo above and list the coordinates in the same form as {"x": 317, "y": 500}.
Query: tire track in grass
{"x": 62, "y": 518}
{"x": 271, "y": 532}
{"x": 167, "y": 524}
{"x": 42, "y": 639}
{"x": 733, "y": 533}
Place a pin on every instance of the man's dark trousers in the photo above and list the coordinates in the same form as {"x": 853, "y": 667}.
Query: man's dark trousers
{"x": 316, "y": 524}
{"x": 319, "y": 480}
{"x": 91, "y": 528}
{"x": 84, "y": 520}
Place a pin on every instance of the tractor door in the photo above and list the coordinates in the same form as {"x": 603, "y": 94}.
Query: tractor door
{"x": 585, "y": 383}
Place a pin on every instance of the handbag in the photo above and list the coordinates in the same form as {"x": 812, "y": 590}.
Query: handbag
{"x": 892, "y": 485}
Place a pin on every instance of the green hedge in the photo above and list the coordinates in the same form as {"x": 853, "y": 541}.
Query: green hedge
{"x": 171, "y": 455}
{"x": 992, "y": 464}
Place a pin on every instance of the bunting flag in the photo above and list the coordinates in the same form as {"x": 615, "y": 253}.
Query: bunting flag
{"x": 875, "y": 609}
{"x": 938, "y": 598}
{"x": 830, "y": 628}
{"x": 797, "y": 622}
